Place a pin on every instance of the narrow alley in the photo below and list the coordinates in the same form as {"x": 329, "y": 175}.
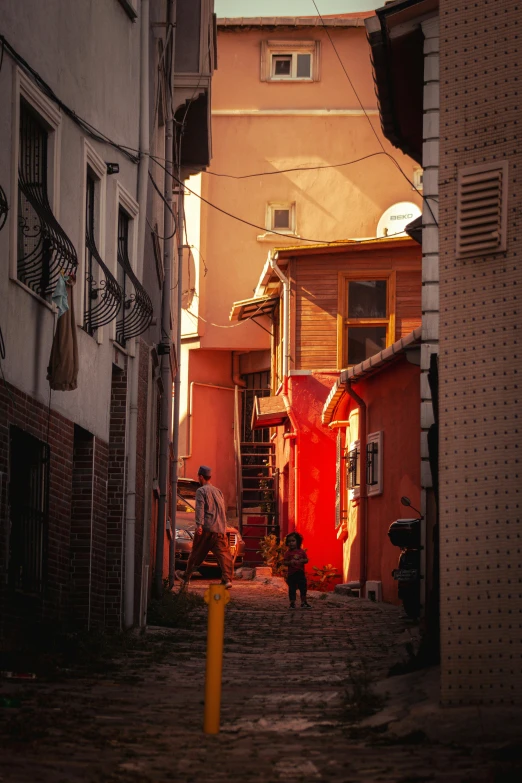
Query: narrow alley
{"x": 286, "y": 712}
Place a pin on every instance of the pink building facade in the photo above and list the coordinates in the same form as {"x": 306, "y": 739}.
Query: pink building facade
{"x": 284, "y": 112}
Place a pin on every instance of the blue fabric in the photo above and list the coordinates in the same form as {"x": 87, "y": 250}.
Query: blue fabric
{"x": 59, "y": 296}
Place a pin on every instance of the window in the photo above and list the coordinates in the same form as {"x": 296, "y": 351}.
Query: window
{"x": 281, "y": 217}
{"x": 102, "y": 294}
{"x": 367, "y": 321}
{"x": 482, "y": 209}
{"x": 123, "y": 274}
{"x": 374, "y": 464}
{"x": 372, "y": 468}
{"x": 136, "y": 311}
{"x": 353, "y": 469}
{"x": 43, "y": 248}
{"x": 290, "y": 61}
{"x": 29, "y": 510}
{"x": 418, "y": 175}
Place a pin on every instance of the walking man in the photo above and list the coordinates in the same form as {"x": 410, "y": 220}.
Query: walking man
{"x": 211, "y": 530}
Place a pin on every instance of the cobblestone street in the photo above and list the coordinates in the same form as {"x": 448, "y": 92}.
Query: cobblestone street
{"x": 284, "y": 713}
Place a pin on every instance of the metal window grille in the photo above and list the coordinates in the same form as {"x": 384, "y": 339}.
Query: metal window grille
{"x": 4, "y": 208}
{"x": 44, "y": 249}
{"x": 353, "y": 468}
{"x": 136, "y": 313}
{"x": 29, "y": 511}
{"x": 102, "y": 295}
{"x": 372, "y": 463}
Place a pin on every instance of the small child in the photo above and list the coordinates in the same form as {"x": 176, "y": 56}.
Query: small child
{"x": 295, "y": 560}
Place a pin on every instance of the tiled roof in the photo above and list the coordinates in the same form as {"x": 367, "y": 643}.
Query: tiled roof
{"x": 373, "y": 364}
{"x": 332, "y": 20}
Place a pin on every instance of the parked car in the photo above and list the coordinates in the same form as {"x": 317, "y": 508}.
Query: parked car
{"x": 186, "y": 527}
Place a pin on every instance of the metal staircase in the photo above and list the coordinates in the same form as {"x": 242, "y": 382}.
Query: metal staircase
{"x": 258, "y": 508}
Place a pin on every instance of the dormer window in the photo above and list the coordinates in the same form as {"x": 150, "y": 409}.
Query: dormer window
{"x": 296, "y": 61}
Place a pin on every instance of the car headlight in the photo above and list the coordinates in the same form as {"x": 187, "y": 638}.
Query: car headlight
{"x": 182, "y": 534}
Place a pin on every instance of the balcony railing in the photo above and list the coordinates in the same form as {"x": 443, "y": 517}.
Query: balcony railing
{"x": 44, "y": 249}
{"x": 103, "y": 295}
{"x": 137, "y": 311}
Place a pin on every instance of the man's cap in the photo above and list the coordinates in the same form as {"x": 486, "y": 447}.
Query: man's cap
{"x": 205, "y": 471}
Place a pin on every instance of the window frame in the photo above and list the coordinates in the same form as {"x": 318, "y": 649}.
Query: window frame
{"x": 51, "y": 118}
{"x": 354, "y": 489}
{"x": 377, "y": 488}
{"x": 130, "y": 206}
{"x": 271, "y": 208}
{"x": 276, "y": 48}
{"x": 92, "y": 161}
{"x": 343, "y": 322}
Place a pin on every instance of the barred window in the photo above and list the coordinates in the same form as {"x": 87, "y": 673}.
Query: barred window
{"x": 29, "y": 511}
{"x": 136, "y": 313}
{"x": 44, "y": 249}
{"x": 102, "y": 295}
{"x": 374, "y": 461}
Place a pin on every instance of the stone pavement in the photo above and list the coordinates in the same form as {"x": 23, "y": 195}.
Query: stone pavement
{"x": 285, "y": 716}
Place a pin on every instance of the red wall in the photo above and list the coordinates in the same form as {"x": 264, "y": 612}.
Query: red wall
{"x": 392, "y": 397}
{"x": 316, "y": 460}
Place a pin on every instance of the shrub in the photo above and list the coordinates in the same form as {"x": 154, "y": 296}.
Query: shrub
{"x": 273, "y": 552}
{"x": 323, "y": 579}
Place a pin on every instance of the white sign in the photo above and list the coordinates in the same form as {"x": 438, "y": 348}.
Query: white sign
{"x": 396, "y": 218}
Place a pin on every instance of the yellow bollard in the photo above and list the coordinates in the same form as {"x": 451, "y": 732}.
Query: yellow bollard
{"x": 217, "y": 596}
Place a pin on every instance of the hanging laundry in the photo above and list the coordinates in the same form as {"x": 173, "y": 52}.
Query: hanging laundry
{"x": 62, "y": 372}
{"x": 59, "y": 296}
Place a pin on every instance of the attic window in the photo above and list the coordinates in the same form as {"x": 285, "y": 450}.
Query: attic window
{"x": 482, "y": 209}
{"x": 294, "y": 61}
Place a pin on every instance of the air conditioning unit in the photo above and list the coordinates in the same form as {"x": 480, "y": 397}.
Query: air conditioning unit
{"x": 374, "y": 591}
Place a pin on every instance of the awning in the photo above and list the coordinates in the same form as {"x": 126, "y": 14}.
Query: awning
{"x": 269, "y": 412}
{"x": 253, "y": 308}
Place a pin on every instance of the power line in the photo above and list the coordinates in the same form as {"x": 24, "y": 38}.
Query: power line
{"x": 278, "y": 233}
{"x": 47, "y": 90}
{"x": 396, "y": 163}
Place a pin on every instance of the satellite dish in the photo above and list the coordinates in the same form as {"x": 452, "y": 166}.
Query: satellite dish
{"x": 395, "y": 219}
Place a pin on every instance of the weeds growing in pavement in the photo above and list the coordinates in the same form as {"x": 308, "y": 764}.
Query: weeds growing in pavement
{"x": 176, "y": 610}
{"x": 360, "y": 700}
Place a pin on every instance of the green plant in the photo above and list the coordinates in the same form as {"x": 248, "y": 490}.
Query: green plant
{"x": 323, "y": 578}
{"x": 272, "y": 550}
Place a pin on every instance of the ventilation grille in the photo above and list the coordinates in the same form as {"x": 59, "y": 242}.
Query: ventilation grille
{"x": 481, "y": 218}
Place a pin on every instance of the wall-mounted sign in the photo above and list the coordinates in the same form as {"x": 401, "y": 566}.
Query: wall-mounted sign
{"x": 395, "y": 219}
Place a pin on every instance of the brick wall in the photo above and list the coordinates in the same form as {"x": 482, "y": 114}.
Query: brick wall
{"x": 17, "y": 408}
{"x": 74, "y": 463}
{"x": 481, "y": 596}
{"x": 81, "y": 521}
{"x": 116, "y": 499}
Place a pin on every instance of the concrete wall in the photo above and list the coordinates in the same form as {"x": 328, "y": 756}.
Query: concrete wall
{"x": 100, "y": 46}
{"x": 480, "y": 323}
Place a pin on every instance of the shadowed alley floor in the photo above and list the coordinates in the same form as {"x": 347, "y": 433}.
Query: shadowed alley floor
{"x": 284, "y": 711}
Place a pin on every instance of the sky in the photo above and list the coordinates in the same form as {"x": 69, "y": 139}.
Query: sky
{"x": 292, "y": 7}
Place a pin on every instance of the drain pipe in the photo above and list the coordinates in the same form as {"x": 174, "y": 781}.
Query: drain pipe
{"x": 286, "y": 318}
{"x": 293, "y": 435}
{"x": 362, "y": 517}
{"x": 143, "y": 171}
{"x": 166, "y": 332}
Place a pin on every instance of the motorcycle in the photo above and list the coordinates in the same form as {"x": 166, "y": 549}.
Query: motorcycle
{"x": 406, "y": 534}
